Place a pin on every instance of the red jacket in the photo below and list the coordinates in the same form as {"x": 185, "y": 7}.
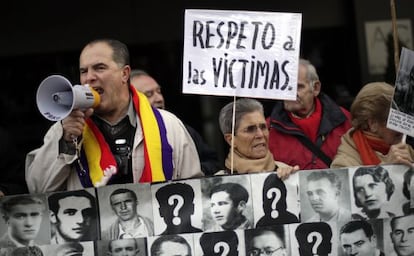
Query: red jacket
{"x": 283, "y": 136}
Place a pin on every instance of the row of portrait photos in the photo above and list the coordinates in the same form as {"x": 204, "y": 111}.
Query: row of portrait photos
{"x": 193, "y": 207}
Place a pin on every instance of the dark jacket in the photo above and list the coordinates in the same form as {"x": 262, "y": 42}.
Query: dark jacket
{"x": 284, "y": 142}
{"x": 208, "y": 157}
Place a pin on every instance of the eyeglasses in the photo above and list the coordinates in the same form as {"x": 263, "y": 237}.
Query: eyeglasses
{"x": 266, "y": 251}
{"x": 252, "y": 129}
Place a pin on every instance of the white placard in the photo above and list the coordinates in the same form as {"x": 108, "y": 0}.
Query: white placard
{"x": 241, "y": 53}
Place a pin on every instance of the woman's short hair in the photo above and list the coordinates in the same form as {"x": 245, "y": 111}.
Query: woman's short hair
{"x": 378, "y": 174}
{"x": 407, "y": 182}
{"x": 243, "y": 106}
{"x": 372, "y": 102}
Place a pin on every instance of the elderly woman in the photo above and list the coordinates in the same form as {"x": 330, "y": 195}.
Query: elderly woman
{"x": 370, "y": 142}
{"x": 251, "y": 136}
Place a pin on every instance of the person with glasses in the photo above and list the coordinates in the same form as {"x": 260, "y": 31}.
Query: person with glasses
{"x": 250, "y": 152}
{"x": 265, "y": 241}
{"x": 122, "y": 140}
{"x": 307, "y": 131}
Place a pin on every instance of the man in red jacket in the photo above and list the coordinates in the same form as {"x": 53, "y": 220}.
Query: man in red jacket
{"x": 307, "y": 131}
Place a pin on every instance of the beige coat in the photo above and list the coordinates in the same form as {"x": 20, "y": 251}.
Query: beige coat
{"x": 348, "y": 154}
{"x": 47, "y": 170}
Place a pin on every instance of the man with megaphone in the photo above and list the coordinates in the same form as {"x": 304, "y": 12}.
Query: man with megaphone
{"x": 121, "y": 140}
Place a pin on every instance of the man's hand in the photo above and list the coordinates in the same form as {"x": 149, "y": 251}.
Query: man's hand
{"x": 74, "y": 123}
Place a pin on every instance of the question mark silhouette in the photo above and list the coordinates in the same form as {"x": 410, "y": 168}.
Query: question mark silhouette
{"x": 222, "y": 247}
{"x": 275, "y": 213}
{"x": 180, "y": 201}
{"x": 318, "y": 241}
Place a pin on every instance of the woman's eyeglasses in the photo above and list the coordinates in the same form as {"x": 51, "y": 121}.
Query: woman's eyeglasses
{"x": 252, "y": 129}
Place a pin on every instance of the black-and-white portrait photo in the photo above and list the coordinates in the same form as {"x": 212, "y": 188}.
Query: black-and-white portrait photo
{"x": 313, "y": 238}
{"x": 275, "y": 201}
{"x": 377, "y": 191}
{"x": 408, "y": 191}
{"x": 225, "y": 243}
{"x": 362, "y": 238}
{"x": 122, "y": 247}
{"x": 177, "y": 207}
{"x": 73, "y": 216}
{"x": 404, "y": 84}
{"x": 69, "y": 249}
{"x": 125, "y": 211}
{"x": 24, "y": 221}
{"x": 324, "y": 196}
{"x": 171, "y": 245}
{"x": 227, "y": 203}
{"x": 267, "y": 241}
{"x": 399, "y": 235}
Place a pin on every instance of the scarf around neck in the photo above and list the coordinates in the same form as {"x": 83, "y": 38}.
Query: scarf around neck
{"x": 242, "y": 164}
{"x": 367, "y": 145}
{"x": 99, "y": 162}
{"x": 310, "y": 125}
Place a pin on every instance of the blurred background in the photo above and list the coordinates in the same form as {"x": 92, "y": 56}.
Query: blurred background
{"x": 348, "y": 41}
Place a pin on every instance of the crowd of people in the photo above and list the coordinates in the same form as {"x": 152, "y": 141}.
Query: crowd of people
{"x": 309, "y": 133}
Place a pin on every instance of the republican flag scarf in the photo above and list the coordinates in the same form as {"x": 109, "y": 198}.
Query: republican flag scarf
{"x": 99, "y": 162}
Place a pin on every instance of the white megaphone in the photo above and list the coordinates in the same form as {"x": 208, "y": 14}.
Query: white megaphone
{"x": 56, "y": 97}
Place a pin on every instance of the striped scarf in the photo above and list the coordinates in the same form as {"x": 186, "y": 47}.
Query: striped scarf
{"x": 99, "y": 162}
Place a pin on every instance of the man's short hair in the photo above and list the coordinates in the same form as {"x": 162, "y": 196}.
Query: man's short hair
{"x": 392, "y": 222}
{"x": 355, "y": 225}
{"x": 378, "y": 174}
{"x": 110, "y": 243}
{"x": 138, "y": 73}
{"x": 329, "y": 175}
{"x": 123, "y": 191}
{"x": 120, "y": 50}
{"x": 7, "y": 203}
{"x": 277, "y": 230}
{"x": 311, "y": 74}
{"x": 237, "y": 192}
{"x": 54, "y": 198}
{"x": 183, "y": 189}
{"x": 156, "y": 245}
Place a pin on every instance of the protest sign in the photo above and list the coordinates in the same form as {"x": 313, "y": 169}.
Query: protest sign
{"x": 401, "y": 116}
{"x": 241, "y": 53}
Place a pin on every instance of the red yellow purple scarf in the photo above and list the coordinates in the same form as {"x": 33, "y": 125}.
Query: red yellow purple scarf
{"x": 100, "y": 164}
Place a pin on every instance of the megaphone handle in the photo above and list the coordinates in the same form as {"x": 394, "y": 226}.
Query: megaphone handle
{"x": 78, "y": 154}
